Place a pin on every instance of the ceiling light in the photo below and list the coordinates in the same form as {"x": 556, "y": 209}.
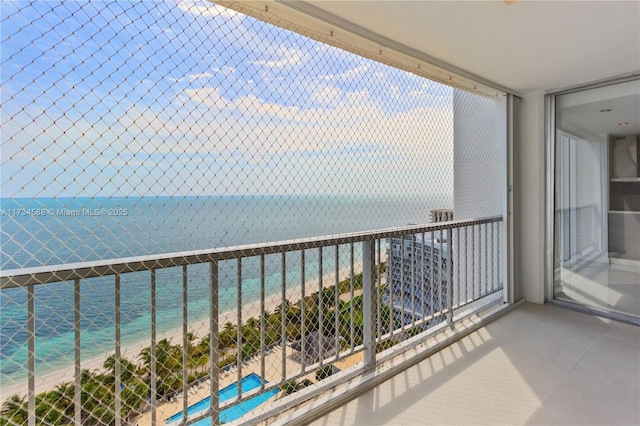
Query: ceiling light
{"x": 623, "y": 124}
{"x": 606, "y": 110}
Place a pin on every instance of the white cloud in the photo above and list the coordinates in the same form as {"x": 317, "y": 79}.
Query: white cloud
{"x": 266, "y": 126}
{"x": 254, "y": 107}
{"x": 208, "y": 9}
{"x": 354, "y": 130}
{"x": 347, "y": 75}
{"x": 226, "y": 70}
{"x": 285, "y": 57}
{"x": 209, "y": 96}
{"x": 200, "y": 75}
{"x": 327, "y": 95}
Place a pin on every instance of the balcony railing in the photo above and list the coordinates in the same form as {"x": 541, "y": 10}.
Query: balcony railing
{"x": 288, "y": 312}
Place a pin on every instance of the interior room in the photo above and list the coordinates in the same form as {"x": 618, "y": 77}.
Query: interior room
{"x": 597, "y": 197}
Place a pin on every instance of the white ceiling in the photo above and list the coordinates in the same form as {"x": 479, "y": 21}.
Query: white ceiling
{"x": 524, "y": 46}
{"x": 609, "y": 110}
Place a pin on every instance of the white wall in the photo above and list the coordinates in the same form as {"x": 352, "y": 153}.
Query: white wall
{"x": 529, "y": 198}
{"x": 479, "y": 159}
{"x": 479, "y": 146}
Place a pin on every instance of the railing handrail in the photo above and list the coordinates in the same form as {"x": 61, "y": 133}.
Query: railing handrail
{"x": 57, "y": 273}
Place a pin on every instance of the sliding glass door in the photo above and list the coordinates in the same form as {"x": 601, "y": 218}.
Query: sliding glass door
{"x": 597, "y": 198}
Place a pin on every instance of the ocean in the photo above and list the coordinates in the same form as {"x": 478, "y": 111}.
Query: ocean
{"x": 51, "y": 231}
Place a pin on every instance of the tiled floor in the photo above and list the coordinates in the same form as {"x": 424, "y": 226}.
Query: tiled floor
{"x": 538, "y": 364}
{"x": 603, "y": 285}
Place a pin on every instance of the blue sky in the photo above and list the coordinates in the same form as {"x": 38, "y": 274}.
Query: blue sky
{"x": 160, "y": 98}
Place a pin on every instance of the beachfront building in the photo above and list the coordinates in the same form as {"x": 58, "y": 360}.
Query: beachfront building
{"x": 189, "y": 187}
{"x": 315, "y": 347}
{"x": 440, "y": 215}
{"x": 417, "y": 278}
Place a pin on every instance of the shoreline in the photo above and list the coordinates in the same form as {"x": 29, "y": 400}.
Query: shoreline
{"x": 199, "y": 328}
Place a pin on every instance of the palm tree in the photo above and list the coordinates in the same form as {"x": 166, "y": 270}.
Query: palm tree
{"x": 284, "y": 306}
{"x": 250, "y": 330}
{"x": 133, "y": 396}
{"x": 168, "y": 365}
{"x": 14, "y": 410}
{"x": 275, "y": 320}
{"x": 228, "y": 327}
{"x": 264, "y": 319}
{"x": 47, "y": 409}
{"x": 202, "y": 348}
{"x": 64, "y": 395}
{"x": 190, "y": 337}
{"x": 228, "y": 335}
{"x": 102, "y": 414}
{"x": 127, "y": 368}
{"x": 290, "y": 387}
{"x": 97, "y": 397}
{"x": 165, "y": 354}
{"x": 252, "y": 323}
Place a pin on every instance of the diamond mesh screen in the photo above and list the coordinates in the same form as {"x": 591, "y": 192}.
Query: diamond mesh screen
{"x": 191, "y": 126}
{"x": 138, "y": 128}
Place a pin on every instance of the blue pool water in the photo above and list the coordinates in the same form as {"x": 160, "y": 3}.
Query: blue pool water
{"x": 235, "y": 412}
{"x": 250, "y": 382}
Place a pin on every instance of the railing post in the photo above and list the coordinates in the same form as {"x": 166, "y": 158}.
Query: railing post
{"x": 283, "y": 312}
{"x": 239, "y": 359}
{"x": 369, "y": 303}
{"x": 31, "y": 360}
{"x": 153, "y": 349}
{"x": 185, "y": 343}
{"x": 118, "y": 355}
{"x": 262, "y": 324}
{"x": 214, "y": 372}
{"x": 77, "y": 395}
{"x": 449, "y": 261}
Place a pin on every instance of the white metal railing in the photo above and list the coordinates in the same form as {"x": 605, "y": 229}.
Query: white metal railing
{"x": 358, "y": 307}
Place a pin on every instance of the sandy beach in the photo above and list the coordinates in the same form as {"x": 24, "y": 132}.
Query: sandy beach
{"x": 199, "y": 329}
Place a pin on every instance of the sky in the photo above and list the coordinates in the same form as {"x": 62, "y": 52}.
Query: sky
{"x": 161, "y": 98}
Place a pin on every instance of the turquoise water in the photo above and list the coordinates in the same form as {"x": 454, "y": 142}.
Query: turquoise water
{"x": 250, "y": 382}
{"x": 241, "y": 409}
{"x": 37, "y": 232}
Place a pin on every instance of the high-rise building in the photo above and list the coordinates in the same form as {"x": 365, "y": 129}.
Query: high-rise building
{"x": 417, "y": 276}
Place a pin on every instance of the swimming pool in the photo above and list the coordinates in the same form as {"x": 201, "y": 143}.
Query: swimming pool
{"x": 250, "y": 382}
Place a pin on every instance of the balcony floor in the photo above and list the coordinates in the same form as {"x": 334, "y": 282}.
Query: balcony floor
{"x": 539, "y": 364}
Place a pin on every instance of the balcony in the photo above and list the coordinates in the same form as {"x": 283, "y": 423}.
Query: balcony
{"x": 272, "y": 342}
{"x": 537, "y": 364}
{"x": 505, "y": 364}
{"x": 221, "y": 130}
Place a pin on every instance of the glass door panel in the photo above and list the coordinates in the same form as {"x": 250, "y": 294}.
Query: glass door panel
{"x": 597, "y": 198}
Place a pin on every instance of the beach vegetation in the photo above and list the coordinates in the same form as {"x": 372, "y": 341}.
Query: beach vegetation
{"x": 284, "y": 306}
{"x": 14, "y": 411}
{"x": 227, "y": 361}
{"x": 294, "y": 331}
{"x": 293, "y": 386}
{"x": 273, "y": 336}
{"x": 290, "y": 387}
{"x": 168, "y": 360}
{"x": 227, "y": 336}
{"x": 415, "y": 331}
{"x": 98, "y": 387}
{"x": 97, "y": 395}
{"x": 306, "y": 383}
{"x": 324, "y": 372}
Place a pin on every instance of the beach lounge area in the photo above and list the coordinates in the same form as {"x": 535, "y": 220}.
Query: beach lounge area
{"x": 228, "y": 377}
